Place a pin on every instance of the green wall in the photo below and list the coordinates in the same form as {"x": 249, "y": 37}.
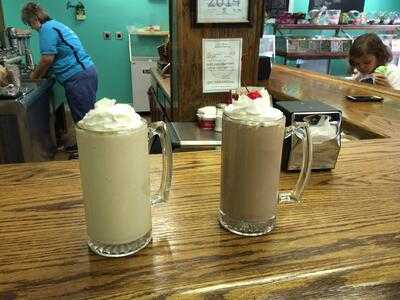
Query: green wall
{"x": 112, "y": 56}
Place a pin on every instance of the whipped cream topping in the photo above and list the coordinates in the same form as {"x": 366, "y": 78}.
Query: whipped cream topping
{"x": 259, "y": 108}
{"x": 110, "y": 116}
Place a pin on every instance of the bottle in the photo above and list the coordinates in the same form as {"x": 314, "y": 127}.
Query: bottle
{"x": 218, "y": 118}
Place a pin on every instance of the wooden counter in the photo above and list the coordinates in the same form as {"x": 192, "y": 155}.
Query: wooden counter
{"x": 383, "y": 118}
{"x": 342, "y": 241}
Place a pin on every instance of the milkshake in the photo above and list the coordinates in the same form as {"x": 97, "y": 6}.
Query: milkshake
{"x": 252, "y": 139}
{"x": 251, "y": 170}
{"x": 114, "y": 164}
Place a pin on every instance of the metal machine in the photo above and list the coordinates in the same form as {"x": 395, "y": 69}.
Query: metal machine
{"x": 16, "y": 57}
{"x": 19, "y": 43}
{"x": 26, "y": 130}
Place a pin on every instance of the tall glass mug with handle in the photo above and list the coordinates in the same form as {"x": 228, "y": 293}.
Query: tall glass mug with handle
{"x": 114, "y": 164}
{"x": 252, "y": 141}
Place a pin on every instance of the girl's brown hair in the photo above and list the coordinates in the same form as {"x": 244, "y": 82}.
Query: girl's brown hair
{"x": 32, "y": 11}
{"x": 371, "y": 44}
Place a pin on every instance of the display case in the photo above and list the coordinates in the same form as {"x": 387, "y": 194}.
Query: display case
{"x": 338, "y": 46}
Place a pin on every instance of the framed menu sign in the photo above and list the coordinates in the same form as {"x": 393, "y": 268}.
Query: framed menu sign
{"x": 222, "y": 65}
{"x": 222, "y": 11}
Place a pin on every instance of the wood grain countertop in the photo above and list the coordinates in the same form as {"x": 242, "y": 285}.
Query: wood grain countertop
{"x": 383, "y": 118}
{"x": 341, "y": 242}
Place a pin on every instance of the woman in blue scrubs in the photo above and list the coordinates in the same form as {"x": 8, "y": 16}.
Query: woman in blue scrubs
{"x": 62, "y": 52}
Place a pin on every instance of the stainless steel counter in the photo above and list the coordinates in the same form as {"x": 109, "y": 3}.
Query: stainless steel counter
{"x": 25, "y": 131}
{"x": 189, "y": 135}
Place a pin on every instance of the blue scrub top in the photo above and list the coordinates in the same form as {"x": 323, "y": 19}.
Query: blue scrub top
{"x": 70, "y": 57}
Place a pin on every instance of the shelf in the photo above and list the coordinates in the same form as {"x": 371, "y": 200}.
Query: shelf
{"x": 319, "y": 55}
{"x": 338, "y": 27}
{"x": 150, "y": 33}
{"x": 371, "y": 27}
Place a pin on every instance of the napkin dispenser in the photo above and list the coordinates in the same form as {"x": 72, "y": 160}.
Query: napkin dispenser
{"x": 325, "y": 126}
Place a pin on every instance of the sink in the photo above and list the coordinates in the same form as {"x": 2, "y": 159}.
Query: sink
{"x": 351, "y": 131}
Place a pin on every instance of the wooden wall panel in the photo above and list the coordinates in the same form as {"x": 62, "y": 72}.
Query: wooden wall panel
{"x": 187, "y": 38}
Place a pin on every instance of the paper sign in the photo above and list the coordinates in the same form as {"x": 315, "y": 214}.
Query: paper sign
{"x": 222, "y": 65}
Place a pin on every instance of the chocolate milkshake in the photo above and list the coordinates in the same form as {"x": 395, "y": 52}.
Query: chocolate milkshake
{"x": 251, "y": 159}
{"x": 252, "y": 138}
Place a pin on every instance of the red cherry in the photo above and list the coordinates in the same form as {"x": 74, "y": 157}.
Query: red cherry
{"x": 254, "y": 95}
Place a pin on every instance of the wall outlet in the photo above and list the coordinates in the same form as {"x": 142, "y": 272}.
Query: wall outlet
{"x": 80, "y": 17}
{"x": 119, "y": 35}
{"x": 107, "y": 35}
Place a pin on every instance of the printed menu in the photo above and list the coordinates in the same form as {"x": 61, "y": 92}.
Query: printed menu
{"x": 222, "y": 64}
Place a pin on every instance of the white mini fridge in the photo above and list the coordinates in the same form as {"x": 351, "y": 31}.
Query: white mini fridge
{"x": 141, "y": 81}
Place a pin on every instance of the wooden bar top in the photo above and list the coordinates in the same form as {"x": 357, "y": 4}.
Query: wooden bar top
{"x": 292, "y": 83}
{"x": 341, "y": 242}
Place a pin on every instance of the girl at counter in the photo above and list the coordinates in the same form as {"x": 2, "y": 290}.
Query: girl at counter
{"x": 62, "y": 51}
{"x": 371, "y": 58}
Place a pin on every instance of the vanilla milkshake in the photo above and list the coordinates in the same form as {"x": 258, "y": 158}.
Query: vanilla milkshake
{"x": 114, "y": 165}
{"x": 252, "y": 139}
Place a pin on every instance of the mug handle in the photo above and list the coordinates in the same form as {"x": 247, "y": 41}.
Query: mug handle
{"x": 302, "y": 131}
{"x": 160, "y": 129}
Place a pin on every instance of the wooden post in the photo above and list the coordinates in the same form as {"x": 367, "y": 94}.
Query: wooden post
{"x": 186, "y": 38}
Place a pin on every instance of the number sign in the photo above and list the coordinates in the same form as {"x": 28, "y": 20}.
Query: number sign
{"x": 223, "y": 11}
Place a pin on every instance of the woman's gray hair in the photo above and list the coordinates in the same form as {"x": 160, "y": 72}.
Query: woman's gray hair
{"x": 33, "y": 11}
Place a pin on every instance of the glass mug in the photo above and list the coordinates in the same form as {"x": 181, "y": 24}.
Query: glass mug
{"x": 116, "y": 186}
{"x": 250, "y": 170}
